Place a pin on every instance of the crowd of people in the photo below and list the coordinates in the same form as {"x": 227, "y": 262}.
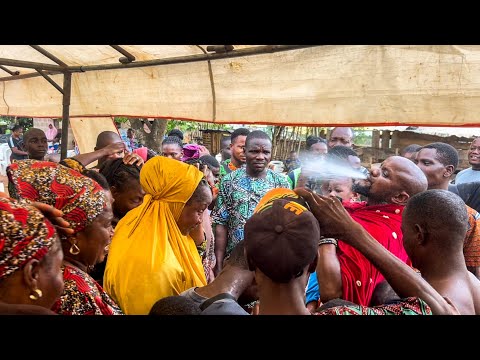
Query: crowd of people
{"x": 183, "y": 232}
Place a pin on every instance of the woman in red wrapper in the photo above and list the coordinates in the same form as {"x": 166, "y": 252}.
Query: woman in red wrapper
{"x": 87, "y": 207}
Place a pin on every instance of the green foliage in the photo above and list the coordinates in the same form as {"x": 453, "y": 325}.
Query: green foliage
{"x": 189, "y": 126}
{"x": 10, "y": 121}
{"x": 363, "y": 137}
{"x": 121, "y": 119}
{"x": 184, "y": 126}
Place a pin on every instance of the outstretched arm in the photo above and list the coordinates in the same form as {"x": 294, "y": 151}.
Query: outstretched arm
{"x": 336, "y": 222}
{"x": 88, "y": 158}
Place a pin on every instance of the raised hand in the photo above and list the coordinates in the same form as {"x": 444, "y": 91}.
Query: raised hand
{"x": 203, "y": 151}
{"x": 133, "y": 159}
{"x": 114, "y": 148}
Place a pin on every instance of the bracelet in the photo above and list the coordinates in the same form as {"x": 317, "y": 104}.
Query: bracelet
{"x": 323, "y": 241}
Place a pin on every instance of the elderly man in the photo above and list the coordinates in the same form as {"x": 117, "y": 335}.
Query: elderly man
{"x": 438, "y": 162}
{"x": 345, "y": 273}
{"x": 341, "y": 136}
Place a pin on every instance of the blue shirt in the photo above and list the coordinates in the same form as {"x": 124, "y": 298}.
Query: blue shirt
{"x": 312, "y": 293}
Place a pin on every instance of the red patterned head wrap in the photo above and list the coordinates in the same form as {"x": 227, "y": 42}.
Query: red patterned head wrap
{"x": 25, "y": 234}
{"x": 80, "y": 198}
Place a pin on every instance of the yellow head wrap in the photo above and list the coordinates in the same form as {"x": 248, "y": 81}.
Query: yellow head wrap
{"x": 149, "y": 258}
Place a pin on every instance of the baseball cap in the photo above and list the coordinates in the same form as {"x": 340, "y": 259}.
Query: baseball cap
{"x": 281, "y": 239}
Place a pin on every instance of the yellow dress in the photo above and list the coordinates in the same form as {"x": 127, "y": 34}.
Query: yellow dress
{"x": 149, "y": 258}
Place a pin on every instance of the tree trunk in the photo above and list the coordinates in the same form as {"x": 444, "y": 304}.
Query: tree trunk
{"x": 277, "y": 135}
{"x": 152, "y": 139}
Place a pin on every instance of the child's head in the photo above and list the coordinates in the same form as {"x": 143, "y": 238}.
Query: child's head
{"x": 342, "y": 187}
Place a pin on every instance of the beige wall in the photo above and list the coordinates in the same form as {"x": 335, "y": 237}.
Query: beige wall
{"x": 42, "y": 123}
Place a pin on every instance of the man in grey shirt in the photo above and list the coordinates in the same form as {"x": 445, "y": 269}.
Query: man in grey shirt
{"x": 471, "y": 174}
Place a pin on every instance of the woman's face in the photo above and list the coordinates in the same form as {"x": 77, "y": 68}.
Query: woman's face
{"x": 128, "y": 197}
{"x": 95, "y": 239}
{"x": 192, "y": 213}
{"x": 50, "y": 276}
{"x": 172, "y": 151}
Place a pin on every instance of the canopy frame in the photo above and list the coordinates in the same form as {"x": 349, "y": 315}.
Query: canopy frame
{"x": 44, "y": 69}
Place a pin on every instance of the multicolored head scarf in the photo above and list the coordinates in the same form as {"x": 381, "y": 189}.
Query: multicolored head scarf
{"x": 277, "y": 194}
{"x": 80, "y": 198}
{"x": 25, "y": 234}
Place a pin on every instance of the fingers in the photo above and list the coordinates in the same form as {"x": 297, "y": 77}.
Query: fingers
{"x": 115, "y": 147}
{"x": 55, "y": 217}
{"x": 307, "y": 194}
{"x": 329, "y": 199}
{"x": 60, "y": 222}
{"x": 48, "y": 210}
{"x": 64, "y": 230}
{"x": 203, "y": 150}
{"x": 131, "y": 159}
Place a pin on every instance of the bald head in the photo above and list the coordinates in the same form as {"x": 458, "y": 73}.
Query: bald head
{"x": 411, "y": 179}
{"x": 394, "y": 182}
{"x": 106, "y": 138}
{"x": 441, "y": 214}
{"x": 341, "y": 136}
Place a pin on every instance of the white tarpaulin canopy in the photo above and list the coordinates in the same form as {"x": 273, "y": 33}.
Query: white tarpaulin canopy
{"x": 297, "y": 85}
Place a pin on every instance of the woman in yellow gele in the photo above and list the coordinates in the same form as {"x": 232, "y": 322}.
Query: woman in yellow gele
{"x": 152, "y": 255}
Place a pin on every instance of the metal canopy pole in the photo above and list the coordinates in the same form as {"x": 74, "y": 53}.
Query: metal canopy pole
{"x": 55, "y": 69}
{"x": 67, "y": 87}
{"x": 128, "y": 57}
{"x": 9, "y": 71}
{"x": 187, "y": 59}
{"x": 212, "y": 85}
{"x": 48, "y": 55}
{"x": 27, "y": 76}
{"x": 31, "y": 65}
{"x": 53, "y": 83}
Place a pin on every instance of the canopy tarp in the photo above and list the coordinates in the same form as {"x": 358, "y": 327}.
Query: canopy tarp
{"x": 85, "y": 132}
{"x": 319, "y": 85}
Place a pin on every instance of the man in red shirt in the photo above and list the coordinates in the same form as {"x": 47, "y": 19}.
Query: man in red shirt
{"x": 342, "y": 271}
